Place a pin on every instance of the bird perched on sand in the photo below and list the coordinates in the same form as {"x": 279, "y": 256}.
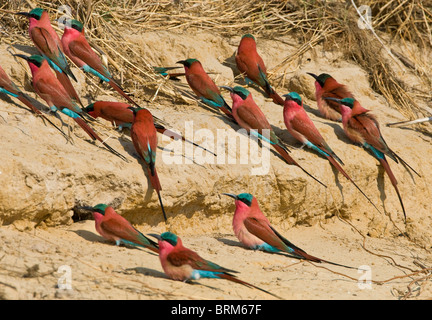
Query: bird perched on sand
{"x": 204, "y": 87}
{"x": 250, "y": 63}
{"x": 11, "y": 89}
{"x": 77, "y": 48}
{"x": 327, "y": 87}
{"x": 50, "y": 47}
{"x": 302, "y": 128}
{"x": 120, "y": 114}
{"x": 250, "y": 117}
{"x": 49, "y": 88}
{"x": 362, "y": 128}
{"x": 182, "y": 264}
{"x": 112, "y": 226}
{"x": 144, "y": 138}
{"x": 255, "y": 232}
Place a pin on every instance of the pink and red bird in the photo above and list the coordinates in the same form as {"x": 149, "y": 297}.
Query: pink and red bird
{"x": 250, "y": 63}
{"x": 118, "y": 113}
{"x": 113, "y": 227}
{"x": 182, "y": 264}
{"x": 77, "y": 48}
{"x": 121, "y": 115}
{"x": 49, "y": 88}
{"x": 204, "y": 87}
{"x": 254, "y": 230}
{"x": 302, "y": 128}
{"x": 11, "y": 89}
{"x": 250, "y": 117}
{"x": 50, "y": 47}
{"x": 362, "y": 128}
{"x": 327, "y": 87}
{"x": 144, "y": 138}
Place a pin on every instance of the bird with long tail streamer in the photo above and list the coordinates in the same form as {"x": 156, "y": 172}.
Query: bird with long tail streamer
{"x": 362, "y": 127}
{"x": 182, "y": 264}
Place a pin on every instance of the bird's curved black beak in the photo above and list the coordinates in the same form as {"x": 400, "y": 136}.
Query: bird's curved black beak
{"x": 154, "y": 235}
{"x": 181, "y": 62}
{"x": 26, "y": 14}
{"x": 231, "y": 195}
{"x": 21, "y": 56}
{"x": 313, "y": 75}
{"x": 333, "y": 99}
{"x": 227, "y": 88}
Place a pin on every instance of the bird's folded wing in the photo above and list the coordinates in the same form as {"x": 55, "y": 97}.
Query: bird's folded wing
{"x": 253, "y": 118}
{"x": 84, "y": 52}
{"x": 118, "y": 228}
{"x": 262, "y": 230}
{"x": 43, "y": 40}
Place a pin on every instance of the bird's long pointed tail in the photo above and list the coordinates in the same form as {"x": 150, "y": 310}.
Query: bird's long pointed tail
{"x": 271, "y": 92}
{"x": 95, "y": 136}
{"x": 23, "y": 98}
{"x": 226, "y": 108}
{"x": 161, "y": 204}
{"x": 147, "y": 243}
{"x": 338, "y": 264}
{"x": 117, "y": 88}
{"x": 230, "y": 277}
{"x": 393, "y": 181}
{"x": 342, "y": 171}
{"x": 405, "y": 163}
{"x": 299, "y": 253}
{"x": 67, "y": 84}
{"x": 155, "y": 182}
{"x": 290, "y": 160}
{"x": 276, "y": 97}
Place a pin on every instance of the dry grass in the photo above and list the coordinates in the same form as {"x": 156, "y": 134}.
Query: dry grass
{"x": 396, "y": 50}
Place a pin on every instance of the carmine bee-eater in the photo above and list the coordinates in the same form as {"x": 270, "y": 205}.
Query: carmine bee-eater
{"x": 120, "y": 114}
{"x": 144, "y": 138}
{"x": 250, "y": 117}
{"x": 77, "y": 48}
{"x": 49, "y": 45}
{"x": 250, "y": 63}
{"x": 182, "y": 264}
{"x": 362, "y": 127}
{"x": 11, "y": 89}
{"x": 301, "y": 127}
{"x": 49, "y": 88}
{"x": 254, "y": 230}
{"x": 112, "y": 226}
{"x": 327, "y": 87}
{"x": 204, "y": 87}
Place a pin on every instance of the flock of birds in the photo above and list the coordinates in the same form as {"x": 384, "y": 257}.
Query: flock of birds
{"x": 51, "y": 80}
